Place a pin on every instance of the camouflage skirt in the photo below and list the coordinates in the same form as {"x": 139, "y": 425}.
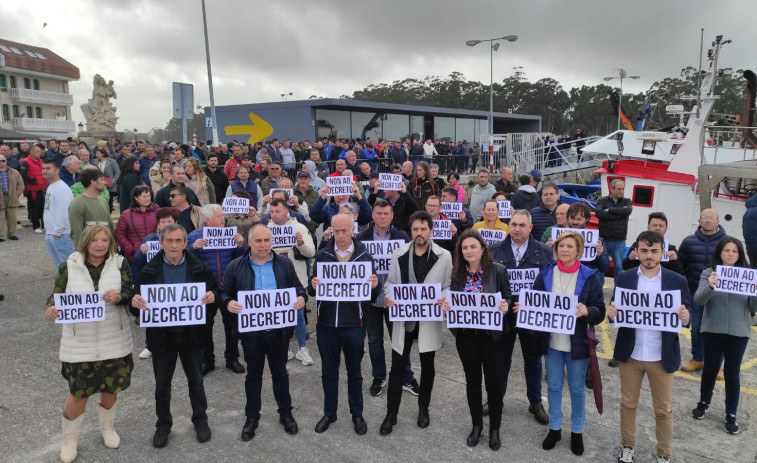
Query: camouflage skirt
{"x": 87, "y": 378}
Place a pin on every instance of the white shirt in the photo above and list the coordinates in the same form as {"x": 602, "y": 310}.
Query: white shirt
{"x": 57, "y": 198}
{"x": 648, "y": 344}
{"x": 519, "y": 251}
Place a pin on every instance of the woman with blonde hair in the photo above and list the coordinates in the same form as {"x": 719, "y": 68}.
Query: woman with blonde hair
{"x": 160, "y": 175}
{"x": 96, "y": 356}
{"x": 198, "y": 182}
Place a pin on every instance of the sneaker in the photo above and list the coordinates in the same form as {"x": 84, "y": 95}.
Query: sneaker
{"x": 614, "y": 364}
{"x": 303, "y": 355}
{"x": 145, "y": 354}
{"x": 661, "y": 459}
{"x": 377, "y": 387}
{"x": 290, "y": 355}
{"x": 731, "y": 426}
{"x": 700, "y": 411}
{"x": 38, "y": 230}
{"x": 412, "y": 387}
{"x": 626, "y": 455}
{"x": 692, "y": 365}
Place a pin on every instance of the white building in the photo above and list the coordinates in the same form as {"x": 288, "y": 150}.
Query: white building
{"x": 34, "y": 93}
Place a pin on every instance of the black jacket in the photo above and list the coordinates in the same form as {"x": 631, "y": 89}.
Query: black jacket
{"x": 162, "y": 199}
{"x": 613, "y": 217}
{"x": 527, "y": 200}
{"x": 422, "y": 189}
{"x": 496, "y": 281}
{"x": 342, "y": 314}
{"x": 178, "y": 338}
{"x": 674, "y": 265}
{"x": 220, "y": 183}
{"x": 509, "y": 187}
{"x": 403, "y": 209}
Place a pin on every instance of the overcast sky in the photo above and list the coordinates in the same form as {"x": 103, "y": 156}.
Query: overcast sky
{"x": 262, "y": 48}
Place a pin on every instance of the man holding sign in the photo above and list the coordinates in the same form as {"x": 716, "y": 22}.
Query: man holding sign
{"x": 402, "y": 202}
{"x": 175, "y": 265}
{"x": 340, "y": 327}
{"x": 323, "y": 210}
{"x": 420, "y": 261}
{"x": 648, "y": 350}
{"x": 265, "y": 272}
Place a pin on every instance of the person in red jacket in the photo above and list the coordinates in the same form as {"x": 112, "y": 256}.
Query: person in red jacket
{"x": 34, "y": 185}
{"x": 135, "y": 224}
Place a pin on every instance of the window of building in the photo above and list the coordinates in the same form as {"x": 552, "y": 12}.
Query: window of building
{"x": 6, "y": 113}
{"x": 29, "y": 112}
{"x": 27, "y": 83}
{"x": 444, "y": 129}
{"x": 40, "y": 55}
{"x": 30, "y": 54}
{"x": 5, "y": 49}
{"x": 465, "y": 130}
{"x": 333, "y": 123}
{"x": 16, "y": 51}
{"x": 416, "y": 127}
{"x": 3, "y": 83}
{"x": 13, "y": 81}
{"x": 35, "y": 82}
{"x": 366, "y": 125}
{"x": 38, "y": 112}
{"x": 16, "y": 112}
{"x": 610, "y": 178}
{"x": 642, "y": 196}
{"x": 396, "y": 127}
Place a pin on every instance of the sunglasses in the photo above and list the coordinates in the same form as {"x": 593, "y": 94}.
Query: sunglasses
{"x": 3, "y": 161}
{"x": 173, "y": 195}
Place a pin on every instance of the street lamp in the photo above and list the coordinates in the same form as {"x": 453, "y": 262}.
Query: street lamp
{"x": 621, "y": 75}
{"x": 135, "y": 135}
{"x": 494, "y": 46}
{"x": 81, "y": 127}
{"x": 286, "y": 96}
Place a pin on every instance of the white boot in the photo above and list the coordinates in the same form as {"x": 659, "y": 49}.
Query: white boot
{"x": 70, "y": 438}
{"x": 112, "y": 441}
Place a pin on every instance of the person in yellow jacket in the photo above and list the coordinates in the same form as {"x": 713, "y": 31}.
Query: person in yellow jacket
{"x": 490, "y": 218}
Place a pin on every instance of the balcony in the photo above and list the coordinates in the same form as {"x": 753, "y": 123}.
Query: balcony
{"x": 39, "y": 125}
{"x": 25, "y": 95}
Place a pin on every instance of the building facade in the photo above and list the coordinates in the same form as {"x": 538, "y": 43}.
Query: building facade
{"x": 34, "y": 91}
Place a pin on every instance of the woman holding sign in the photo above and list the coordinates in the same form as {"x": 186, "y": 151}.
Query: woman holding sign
{"x": 725, "y": 329}
{"x": 95, "y": 355}
{"x": 569, "y": 351}
{"x": 475, "y": 271}
{"x": 490, "y": 218}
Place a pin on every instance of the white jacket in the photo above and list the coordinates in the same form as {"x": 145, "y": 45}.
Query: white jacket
{"x": 307, "y": 250}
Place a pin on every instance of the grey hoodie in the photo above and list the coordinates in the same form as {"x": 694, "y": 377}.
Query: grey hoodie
{"x": 724, "y": 313}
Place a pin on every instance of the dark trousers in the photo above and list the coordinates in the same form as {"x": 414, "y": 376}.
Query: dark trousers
{"x": 257, "y": 346}
{"x": 231, "y": 333}
{"x": 36, "y": 209}
{"x": 532, "y": 367}
{"x": 332, "y": 342}
{"x": 478, "y": 349}
{"x": 731, "y": 349}
{"x": 163, "y": 365}
{"x": 375, "y": 318}
{"x": 428, "y": 373}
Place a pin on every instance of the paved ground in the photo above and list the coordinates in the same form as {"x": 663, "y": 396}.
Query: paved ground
{"x": 33, "y": 392}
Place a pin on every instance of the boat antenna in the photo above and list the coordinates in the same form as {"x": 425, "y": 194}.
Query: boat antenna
{"x": 699, "y": 73}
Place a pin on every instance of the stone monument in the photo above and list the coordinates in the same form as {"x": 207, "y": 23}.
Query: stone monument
{"x": 100, "y": 113}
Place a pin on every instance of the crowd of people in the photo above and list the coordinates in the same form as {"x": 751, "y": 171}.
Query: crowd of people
{"x": 167, "y": 196}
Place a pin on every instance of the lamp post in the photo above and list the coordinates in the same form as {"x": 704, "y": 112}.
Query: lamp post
{"x": 493, "y": 46}
{"x": 213, "y": 118}
{"x": 621, "y": 75}
{"x": 286, "y": 96}
{"x": 81, "y": 127}
{"x": 135, "y": 135}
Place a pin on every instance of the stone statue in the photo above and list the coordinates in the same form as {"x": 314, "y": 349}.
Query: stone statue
{"x": 99, "y": 113}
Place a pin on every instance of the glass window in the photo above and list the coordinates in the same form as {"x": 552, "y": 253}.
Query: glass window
{"x": 13, "y": 82}
{"x": 642, "y": 196}
{"x": 27, "y": 83}
{"x": 6, "y": 113}
{"x": 36, "y": 84}
{"x": 444, "y": 129}
{"x": 416, "y": 127}
{"x": 481, "y": 128}
{"x": 366, "y": 125}
{"x": 3, "y": 83}
{"x": 396, "y": 127}
{"x": 29, "y": 112}
{"x": 333, "y": 123}
{"x": 38, "y": 112}
{"x": 16, "y": 112}
{"x": 464, "y": 130}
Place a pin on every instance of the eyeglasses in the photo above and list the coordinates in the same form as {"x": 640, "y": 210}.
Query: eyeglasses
{"x": 3, "y": 161}
{"x": 173, "y": 195}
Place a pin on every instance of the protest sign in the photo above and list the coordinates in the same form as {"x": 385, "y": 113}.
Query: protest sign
{"x": 390, "y": 182}
{"x": 522, "y": 278}
{"x": 219, "y": 237}
{"x": 591, "y": 239}
{"x": 504, "y": 209}
{"x": 382, "y": 251}
{"x": 736, "y": 280}
{"x": 79, "y": 307}
{"x": 340, "y": 185}
{"x": 235, "y": 205}
{"x": 153, "y": 247}
{"x": 267, "y": 310}
{"x": 665, "y": 249}
{"x": 452, "y": 210}
{"x": 492, "y": 236}
{"x": 283, "y": 235}
{"x": 172, "y": 305}
{"x": 648, "y": 310}
{"x": 343, "y": 281}
{"x": 442, "y": 230}
{"x": 288, "y": 191}
{"x": 549, "y": 312}
{"x": 415, "y": 302}
{"x": 474, "y": 310}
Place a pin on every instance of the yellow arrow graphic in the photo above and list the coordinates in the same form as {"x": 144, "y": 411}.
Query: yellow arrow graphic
{"x": 258, "y": 131}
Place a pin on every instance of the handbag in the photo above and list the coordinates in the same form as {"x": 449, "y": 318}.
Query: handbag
{"x": 108, "y": 181}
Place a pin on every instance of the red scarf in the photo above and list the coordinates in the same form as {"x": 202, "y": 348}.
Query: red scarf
{"x": 571, "y": 269}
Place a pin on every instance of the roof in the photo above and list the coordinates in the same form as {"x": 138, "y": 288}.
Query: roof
{"x": 37, "y": 59}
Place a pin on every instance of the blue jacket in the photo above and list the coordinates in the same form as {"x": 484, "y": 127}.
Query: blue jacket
{"x": 217, "y": 259}
{"x": 542, "y": 218}
{"x": 67, "y": 177}
{"x": 144, "y": 169}
{"x": 695, "y": 253}
{"x": 749, "y": 226}
{"x": 626, "y": 339}
{"x": 251, "y": 187}
{"x": 323, "y": 210}
{"x": 589, "y": 292}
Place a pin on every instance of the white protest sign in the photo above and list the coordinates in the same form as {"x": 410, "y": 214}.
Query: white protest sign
{"x": 549, "y": 312}
{"x": 153, "y": 247}
{"x": 442, "y": 230}
{"x": 492, "y": 236}
{"x": 665, "y": 249}
{"x": 521, "y": 278}
{"x": 343, "y": 281}
{"x": 219, "y": 237}
{"x": 235, "y": 205}
{"x": 339, "y": 185}
{"x": 267, "y": 310}
{"x": 415, "y": 302}
{"x": 172, "y": 305}
{"x": 474, "y": 310}
{"x": 382, "y": 251}
{"x": 452, "y": 210}
{"x": 736, "y": 280}
{"x": 390, "y": 182}
{"x": 80, "y": 307}
{"x": 649, "y": 310}
{"x": 504, "y": 209}
{"x": 288, "y": 191}
{"x": 591, "y": 239}
{"x": 283, "y": 235}
{"x": 355, "y": 229}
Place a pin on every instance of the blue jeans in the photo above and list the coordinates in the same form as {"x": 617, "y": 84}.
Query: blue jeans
{"x": 716, "y": 347}
{"x": 697, "y": 348}
{"x": 59, "y": 248}
{"x": 375, "y": 318}
{"x": 556, "y": 363}
{"x": 616, "y": 250}
{"x": 301, "y": 330}
{"x": 332, "y": 342}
